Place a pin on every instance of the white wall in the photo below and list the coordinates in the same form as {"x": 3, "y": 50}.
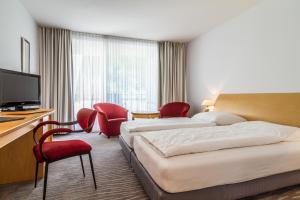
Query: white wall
{"x": 258, "y": 51}
{"x": 16, "y": 22}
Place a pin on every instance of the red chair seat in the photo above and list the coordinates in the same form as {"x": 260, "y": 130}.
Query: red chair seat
{"x": 57, "y": 150}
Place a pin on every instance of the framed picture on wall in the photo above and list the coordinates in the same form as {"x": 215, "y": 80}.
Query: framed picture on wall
{"x": 25, "y": 55}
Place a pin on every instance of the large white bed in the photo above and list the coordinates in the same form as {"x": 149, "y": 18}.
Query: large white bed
{"x": 222, "y": 172}
{"x": 158, "y": 125}
{"x": 134, "y": 128}
{"x": 206, "y": 169}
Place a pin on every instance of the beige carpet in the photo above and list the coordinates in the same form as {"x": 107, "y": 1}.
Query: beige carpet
{"x": 115, "y": 180}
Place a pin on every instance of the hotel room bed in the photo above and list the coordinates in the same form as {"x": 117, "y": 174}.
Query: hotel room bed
{"x": 224, "y": 174}
{"x": 200, "y": 120}
{"x": 221, "y": 174}
{"x": 131, "y": 129}
{"x": 134, "y": 128}
{"x": 202, "y": 170}
{"x": 220, "y": 192}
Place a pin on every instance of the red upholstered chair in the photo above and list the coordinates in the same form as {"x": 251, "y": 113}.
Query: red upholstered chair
{"x": 174, "y": 109}
{"x": 110, "y": 117}
{"x": 52, "y": 151}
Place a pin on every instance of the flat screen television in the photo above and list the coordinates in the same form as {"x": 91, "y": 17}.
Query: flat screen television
{"x": 19, "y": 89}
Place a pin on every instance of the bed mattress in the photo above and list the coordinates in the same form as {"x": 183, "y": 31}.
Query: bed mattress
{"x": 202, "y": 170}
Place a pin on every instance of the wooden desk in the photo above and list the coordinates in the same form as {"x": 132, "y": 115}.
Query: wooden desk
{"x": 144, "y": 115}
{"x": 17, "y": 162}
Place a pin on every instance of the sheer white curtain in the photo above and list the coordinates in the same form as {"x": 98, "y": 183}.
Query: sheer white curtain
{"x": 89, "y": 70}
{"x": 118, "y": 70}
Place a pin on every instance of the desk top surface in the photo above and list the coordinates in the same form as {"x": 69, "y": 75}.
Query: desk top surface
{"x": 30, "y": 117}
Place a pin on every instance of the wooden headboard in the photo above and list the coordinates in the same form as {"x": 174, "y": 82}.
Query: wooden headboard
{"x": 281, "y": 108}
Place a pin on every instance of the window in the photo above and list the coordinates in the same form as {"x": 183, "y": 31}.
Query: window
{"x": 116, "y": 70}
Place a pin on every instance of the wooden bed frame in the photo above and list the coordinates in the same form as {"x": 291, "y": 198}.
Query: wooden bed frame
{"x": 282, "y": 108}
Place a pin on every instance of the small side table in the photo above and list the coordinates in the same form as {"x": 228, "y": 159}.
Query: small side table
{"x": 145, "y": 115}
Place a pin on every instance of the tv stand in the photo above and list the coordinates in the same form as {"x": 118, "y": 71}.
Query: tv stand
{"x": 18, "y": 109}
{"x": 24, "y": 112}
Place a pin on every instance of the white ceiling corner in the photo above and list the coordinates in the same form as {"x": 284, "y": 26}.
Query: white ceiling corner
{"x": 175, "y": 20}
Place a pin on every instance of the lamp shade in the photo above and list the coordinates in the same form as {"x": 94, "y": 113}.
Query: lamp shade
{"x": 207, "y": 102}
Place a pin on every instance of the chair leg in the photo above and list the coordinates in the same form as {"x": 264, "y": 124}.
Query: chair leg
{"x": 45, "y": 181}
{"x": 92, "y": 168}
{"x": 82, "y": 166}
{"x": 36, "y": 172}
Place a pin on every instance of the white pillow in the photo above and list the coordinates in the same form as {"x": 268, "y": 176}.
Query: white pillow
{"x": 220, "y": 118}
{"x": 290, "y": 133}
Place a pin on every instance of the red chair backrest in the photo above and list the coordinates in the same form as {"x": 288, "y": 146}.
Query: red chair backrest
{"x": 111, "y": 110}
{"x": 174, "y": 109}
{"x": 86, "y": 118}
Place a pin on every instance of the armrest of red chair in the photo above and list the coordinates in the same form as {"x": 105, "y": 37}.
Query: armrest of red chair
{"x": 118, "y": 120}
{"x": 103, "y": 116}
{"x": 183, "y": 114}
{"x": 186, "y": 110}
{"x": 97, "y": 107}
{"x": 124, "y": 113}
{"x": 114, "y": 125}
{"x": 121, "y": 112}
{"x": 53, "y": 131}
{"x": 43, "y": 124}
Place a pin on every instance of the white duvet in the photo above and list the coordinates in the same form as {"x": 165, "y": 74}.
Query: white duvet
{"x": 197, "y": 140}
{"x": 163, "y": 124}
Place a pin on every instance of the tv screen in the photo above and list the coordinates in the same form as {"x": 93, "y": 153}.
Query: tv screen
{"x": 19, "y": 89}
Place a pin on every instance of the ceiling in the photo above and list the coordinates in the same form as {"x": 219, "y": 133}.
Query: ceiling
{"x": 174, "y": 20}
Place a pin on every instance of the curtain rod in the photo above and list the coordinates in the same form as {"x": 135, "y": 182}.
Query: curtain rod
{"x": 115, "y": 36}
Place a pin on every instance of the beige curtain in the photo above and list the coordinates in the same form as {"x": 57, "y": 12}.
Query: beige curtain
{"x": 172, "y": 77}
{"x": 55, "y": 63}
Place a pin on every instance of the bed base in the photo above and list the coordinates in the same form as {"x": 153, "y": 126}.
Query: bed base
{"x": 126, "y": 150}
{"x": 222, "y": 192}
